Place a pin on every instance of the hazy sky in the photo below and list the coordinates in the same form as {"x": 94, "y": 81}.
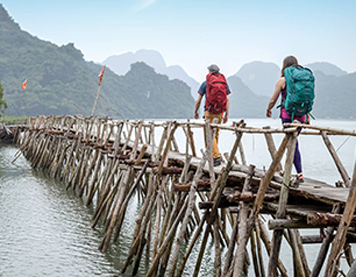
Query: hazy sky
{"x": 196, "y": 33}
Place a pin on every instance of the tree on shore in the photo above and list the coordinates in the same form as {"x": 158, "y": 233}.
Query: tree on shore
{"x": 3, "y": 104}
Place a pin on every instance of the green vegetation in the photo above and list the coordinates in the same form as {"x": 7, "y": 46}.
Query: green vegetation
{"x": 60, "y": 82}
{"x": 9, "y": 119}
{"x": 3, "y": 104}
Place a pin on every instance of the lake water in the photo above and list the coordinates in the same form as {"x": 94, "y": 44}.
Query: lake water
{"x": 46, "y": 230}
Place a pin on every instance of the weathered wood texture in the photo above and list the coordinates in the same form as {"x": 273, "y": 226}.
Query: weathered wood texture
{"x": 108, "y": 163}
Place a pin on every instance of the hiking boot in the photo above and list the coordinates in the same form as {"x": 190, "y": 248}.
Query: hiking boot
{"x": 297, "y": 180}
{"x": 217, "y": 161}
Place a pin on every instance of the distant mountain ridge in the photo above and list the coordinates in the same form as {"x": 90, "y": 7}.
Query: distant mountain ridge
{"x": 335, "y": 89}
{"x": 60, "y": 82}
{"x": 120, "y": 64}
{"x": 326, "y": 68}
{"x": 259, "y": 76}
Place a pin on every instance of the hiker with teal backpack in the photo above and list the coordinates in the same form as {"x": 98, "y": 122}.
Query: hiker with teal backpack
{"x": 296, "y": 86}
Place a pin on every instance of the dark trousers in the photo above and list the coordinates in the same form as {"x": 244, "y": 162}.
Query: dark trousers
{"x": 297, "y": 157}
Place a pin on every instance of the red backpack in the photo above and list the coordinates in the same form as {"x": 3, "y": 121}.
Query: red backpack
{"x": 216, "y": 93}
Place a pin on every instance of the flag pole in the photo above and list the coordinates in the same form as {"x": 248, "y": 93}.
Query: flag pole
{"x": 101, "y": 74}
{"x": 96, "y": 100}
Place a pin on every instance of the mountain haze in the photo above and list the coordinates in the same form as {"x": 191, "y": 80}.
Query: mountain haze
{"x": 326, "y": 68}
{"x": 244, "y": 102}
{"x": 260, "y": 77}
{"x": 335, "y": 89}
{"x": 120, "y": 64}
{"x": 60, "y": 81}
{"x": 140, "y": 85}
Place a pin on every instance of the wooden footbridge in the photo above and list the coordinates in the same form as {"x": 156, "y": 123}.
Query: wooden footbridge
{"x": 182, "y": 196}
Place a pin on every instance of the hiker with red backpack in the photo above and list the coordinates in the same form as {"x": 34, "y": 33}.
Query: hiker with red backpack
{"x": 217, "y": 103}
{"x": 296, "y": 86}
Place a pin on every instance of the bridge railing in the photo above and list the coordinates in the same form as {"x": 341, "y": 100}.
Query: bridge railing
{"x": 108, "y": 161}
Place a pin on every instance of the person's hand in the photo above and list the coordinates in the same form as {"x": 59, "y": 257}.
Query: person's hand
{"x": 196, "y": 115}
{"x": 225, "y": 118}
{"x": 269, "y": 113}
{"x": 307, "y": 120}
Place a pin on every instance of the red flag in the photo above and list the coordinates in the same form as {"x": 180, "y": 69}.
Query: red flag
{"x": 101, "y": 74}
{"x": 24, "y": 85}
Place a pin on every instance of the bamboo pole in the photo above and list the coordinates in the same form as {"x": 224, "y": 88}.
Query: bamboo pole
{"x": 96, "y": 100}
{"x": 186, "y": 219}
{"x": 259, "y": 249}
{"x": 297, "y": 260}
{"x": 105, "y": 242}
{"x": 209, "y": 144}
{"x": 231, "y": 246}
{"x": 104, "y": 202}
{"x": 268, "y": 177}
{"x": 340, "y": 237}
{"x": 146, "y": 208}
{"x": 128, "y": 197}
{"x": 169, "y": 236}
{"x": 271, "y": 146}
{"x": 281, "y": 212}
{"x": 165, "y": 153}
{"x": 158, "y": 215}
{"x": 327, "y": 129}
{"x": 267, "y": 242}
{"x": 253, "y": 247}
{"x": 243, "y": 227}
{"x": 94, "y": 178}
{"x": 338, "y": 163}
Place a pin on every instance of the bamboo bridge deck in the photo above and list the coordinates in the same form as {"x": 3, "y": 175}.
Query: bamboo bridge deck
{"x": 108, "y": 166}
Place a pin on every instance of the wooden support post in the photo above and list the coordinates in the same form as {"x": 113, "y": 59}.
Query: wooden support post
{"x": 138, "y": 134}
{"x": 106, "y": 202}
{"x": 340, "y": 237}
{"x": 254, "y": 253}
{"x": 281, "y": 212}
{"x": 186, "y": 219}
{"x": 169, "y": 237}
{"x": 345, "y": 177}
{"x": 242, "y": 154}
{"x": 271, "y": 146}
{"x": 209, "y": 144}
{"x": 142, "y": 153}
{"x": 152, "y": 140}
{"x": 166, "y": 150}
{"x": 94, "y": 178}
{"x": 105, "y": 243}
{"x": 216, "y": 194}
{"x": 161, "y": 144}
{"x": 159, "y": 208}
{"x": 231, "y": 247}
{"x": 298, "y": 263}
{"x": 259, "y": 249}
{"x": 243, "y": 227}
{"x": 191, "y": 141}
{"x": 127, "y": 198}
{"x": 267, "y": 242}
{"x": 268, "y": 177}
{"x": 352, "y": 271}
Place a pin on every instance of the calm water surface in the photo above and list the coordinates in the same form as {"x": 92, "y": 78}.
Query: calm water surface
{"x": 46, "y": 230}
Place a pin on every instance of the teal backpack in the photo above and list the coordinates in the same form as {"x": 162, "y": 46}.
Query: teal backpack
{"x": 300, "y": 90}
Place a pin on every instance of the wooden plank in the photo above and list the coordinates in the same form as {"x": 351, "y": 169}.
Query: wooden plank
{"x": 310, "y": 189}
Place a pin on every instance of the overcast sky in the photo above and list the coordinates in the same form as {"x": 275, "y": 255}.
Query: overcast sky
{"x": 196, "y": 33}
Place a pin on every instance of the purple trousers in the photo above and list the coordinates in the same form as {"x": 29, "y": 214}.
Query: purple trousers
{"x": 297, "y": 161}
